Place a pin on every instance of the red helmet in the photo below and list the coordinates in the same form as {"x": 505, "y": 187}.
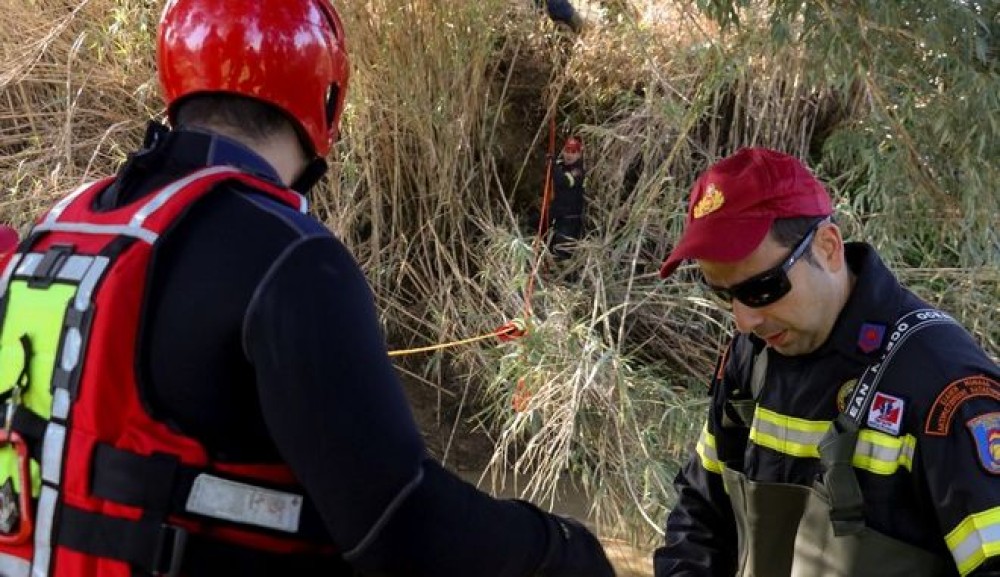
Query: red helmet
{"x": 573, "y": 145}
{"x": 288, "y": 53}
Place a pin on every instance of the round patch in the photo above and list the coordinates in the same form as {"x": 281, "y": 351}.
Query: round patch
{"x": 844, "y": 394}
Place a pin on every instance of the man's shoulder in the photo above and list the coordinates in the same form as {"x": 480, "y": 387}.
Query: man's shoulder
{"x": 934, "y": 360}
{"x": 254, "y": 207}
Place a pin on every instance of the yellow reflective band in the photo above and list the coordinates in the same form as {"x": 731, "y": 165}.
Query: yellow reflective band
{"x": 791, "y": 423}
{"x": 789, "y": 435}
{"x": 39, "y": 314}
{"x": 569, "y": 177}
{"x": 883, "y": 454}
{"x": 706, "y": 451}
{"x": 975, "y": 539}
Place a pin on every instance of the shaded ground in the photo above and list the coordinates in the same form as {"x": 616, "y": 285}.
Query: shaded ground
{"x": 451, "y": 438}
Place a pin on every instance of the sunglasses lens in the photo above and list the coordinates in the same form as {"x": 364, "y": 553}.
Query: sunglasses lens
{"x": 762, "y": 291}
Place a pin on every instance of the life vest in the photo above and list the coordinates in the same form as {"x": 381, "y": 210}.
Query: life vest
{"x": 90, "y": 482}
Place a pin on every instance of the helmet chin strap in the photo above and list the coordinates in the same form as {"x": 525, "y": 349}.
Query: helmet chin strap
{"x": 310, "y": 175}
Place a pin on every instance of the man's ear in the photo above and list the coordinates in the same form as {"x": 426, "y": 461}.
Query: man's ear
{"x": 828, "y": 247}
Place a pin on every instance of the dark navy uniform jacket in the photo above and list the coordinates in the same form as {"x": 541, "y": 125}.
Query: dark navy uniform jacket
{"x": 927, "y": 459}
{"x": 261, "y": 339}
{"x": 568, "y": 186}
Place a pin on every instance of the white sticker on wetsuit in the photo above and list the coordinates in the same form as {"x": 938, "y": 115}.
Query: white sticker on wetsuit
{"x": 242, "y": 503}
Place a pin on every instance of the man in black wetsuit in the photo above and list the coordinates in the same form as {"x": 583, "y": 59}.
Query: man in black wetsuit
{"x": 259, "y": 343}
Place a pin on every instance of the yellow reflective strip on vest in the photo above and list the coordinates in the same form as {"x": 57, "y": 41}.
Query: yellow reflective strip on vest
{"x": 38, "y": 313}
{"x": 569, "y": 177}
{"x": 706, "y": 451}
{"x": 789, "y": 435}
{"x": 975, "y": 539}
{"x": 883, "y": 454}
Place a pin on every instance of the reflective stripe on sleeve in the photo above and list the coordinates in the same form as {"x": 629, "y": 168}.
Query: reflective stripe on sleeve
{"x": 706, "y": 451}
{"x": 975, "y": 539}
{"x": 883, "y": 454}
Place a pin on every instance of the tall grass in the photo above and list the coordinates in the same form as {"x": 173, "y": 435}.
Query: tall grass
{"x": 443, "y": 153}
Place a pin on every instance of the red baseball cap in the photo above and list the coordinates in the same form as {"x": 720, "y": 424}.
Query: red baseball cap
{"x": 8, "y": 239}
{"x": 734, "y": 203}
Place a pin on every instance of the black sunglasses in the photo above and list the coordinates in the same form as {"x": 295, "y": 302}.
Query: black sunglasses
{"x": 769, "y": 286}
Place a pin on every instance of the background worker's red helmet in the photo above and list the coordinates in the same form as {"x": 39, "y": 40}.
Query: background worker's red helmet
{"x": 288, "y": 53}
{"x": 573, "y": 145}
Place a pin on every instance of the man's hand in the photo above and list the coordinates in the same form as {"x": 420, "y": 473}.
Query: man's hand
{"x": 573, "y": 551}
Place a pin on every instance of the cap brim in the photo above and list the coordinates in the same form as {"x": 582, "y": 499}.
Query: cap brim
{"x": 720, "y": 240}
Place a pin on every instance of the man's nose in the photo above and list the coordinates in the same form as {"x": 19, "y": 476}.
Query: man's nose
{"x": 747, "y": 318}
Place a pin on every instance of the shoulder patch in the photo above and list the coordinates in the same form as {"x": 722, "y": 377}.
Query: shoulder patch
{"x": 886, "y": 413}
{"x": 844, "y": 394}
{"x": 943, "y": 410}
{"x": 985, "y": 431}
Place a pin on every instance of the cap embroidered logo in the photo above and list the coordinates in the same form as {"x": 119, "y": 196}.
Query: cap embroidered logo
{"x": 712, "y": 201}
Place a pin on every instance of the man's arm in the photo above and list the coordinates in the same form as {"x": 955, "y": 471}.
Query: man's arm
{"x": 338, "y": 416}
{"x": 700, "y": 532}
{"x": 701, "y": 538}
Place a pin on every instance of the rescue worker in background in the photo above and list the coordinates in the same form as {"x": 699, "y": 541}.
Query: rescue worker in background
{"x": 8, "y": 239}
{"x": 566, "y": 211}
{"x": 223, "y": 403}
{"x": 853, "y": 431}
{"x": 562, "y": 12}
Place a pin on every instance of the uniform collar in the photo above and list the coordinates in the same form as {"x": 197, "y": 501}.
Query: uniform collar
{"x": 865, "y": 322}
{"x": 201, "y": 149}
{"x": 167, "y": 155}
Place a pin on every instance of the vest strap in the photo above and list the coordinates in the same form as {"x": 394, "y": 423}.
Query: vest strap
{"x": 159, "y": 482}
{"x": 152, "y": 548}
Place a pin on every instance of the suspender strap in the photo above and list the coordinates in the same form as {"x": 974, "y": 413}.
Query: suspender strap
{"x": 836, "y": 453}
{"x": 836, "y": 449}
{"x": 160, "y": 482}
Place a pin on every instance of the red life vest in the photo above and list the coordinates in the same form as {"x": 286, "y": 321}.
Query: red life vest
{"x": 116, "y": 492}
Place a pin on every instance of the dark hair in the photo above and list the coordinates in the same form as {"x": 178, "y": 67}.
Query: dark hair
{"x": 789, "y": 231}
{"x": 253, "y": 118}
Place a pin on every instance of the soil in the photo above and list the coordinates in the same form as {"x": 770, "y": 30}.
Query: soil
{"x": 466, "y": 449}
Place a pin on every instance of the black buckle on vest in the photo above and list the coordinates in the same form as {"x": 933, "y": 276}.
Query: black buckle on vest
{"x": 50, "y": 265}
{"x": 170, "y": 551}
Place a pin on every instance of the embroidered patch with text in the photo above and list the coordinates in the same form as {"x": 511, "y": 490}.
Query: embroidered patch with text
{"x": 943, "y": 410}
{"x": 886, "y": 413}
{"x": 985, "y": 431}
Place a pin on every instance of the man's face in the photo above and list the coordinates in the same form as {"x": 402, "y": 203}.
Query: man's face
{"x": 799, "y": 322}
{"x": 570, "y": 157}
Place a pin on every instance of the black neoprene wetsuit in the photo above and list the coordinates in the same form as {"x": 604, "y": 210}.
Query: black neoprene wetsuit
{"x": 261, "y": 340}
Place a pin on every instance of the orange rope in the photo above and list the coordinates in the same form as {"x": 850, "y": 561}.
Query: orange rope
{"x": 543, "y": 219}
{"x": 516, "y": 328}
